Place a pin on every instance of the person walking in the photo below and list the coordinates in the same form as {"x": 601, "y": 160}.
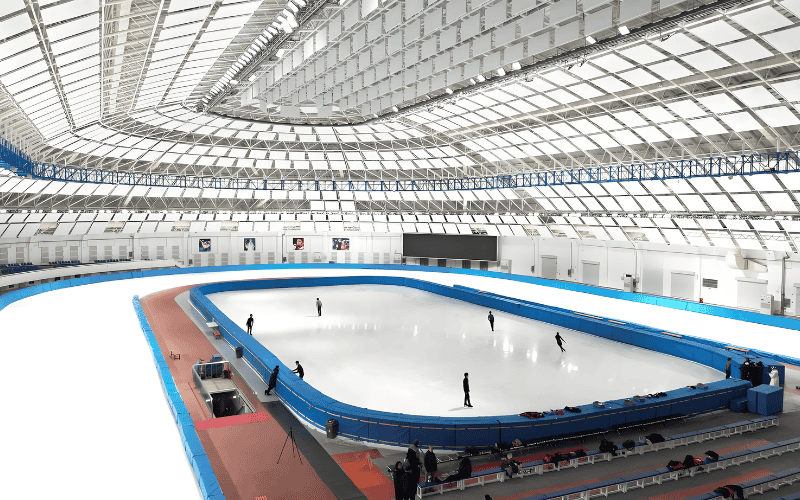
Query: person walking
{"x": 467, "y": 401}
{"x": 774, "y": 377}
{"x": 273, "y": 380}
{"x": 560, "y": 339}
{"x": 319, "y": 307}
{"x": 431, "y": 464}
{"x": 728, "y": 369}
{"x": 491, "y": 320}
{"x": 250, "y": 325}
{"x": 299, "y": 370}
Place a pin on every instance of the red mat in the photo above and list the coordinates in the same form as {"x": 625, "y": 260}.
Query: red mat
{"x": 699, "y": 490}
{"x": 374, "y": 484}
{"x": 217, "y": 423}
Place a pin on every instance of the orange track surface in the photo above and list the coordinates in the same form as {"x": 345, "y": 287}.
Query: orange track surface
{"x": 244, "y": 456}
{"x": 365, "y": 475}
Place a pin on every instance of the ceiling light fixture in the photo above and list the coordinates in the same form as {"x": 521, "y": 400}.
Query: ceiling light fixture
{"x": 480, "y": 78}
{"x": 395, "y": 109}
{"x": 501, "y": 72}
{"x": 448, "y": 90}
{"x": 591, "y": 40}
{"x": 516, "y": 66}
{"x": 472, "y": 81}
{"x": 623, "y": 30}
{"x": 252, "y": 78}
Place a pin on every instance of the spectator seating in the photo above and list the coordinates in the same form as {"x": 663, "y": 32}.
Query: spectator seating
{"x": 760, "y": 485}
{"x": 658, "y": 476}
{"x": 6, "y": 269}
{"x": 539, "y": 467}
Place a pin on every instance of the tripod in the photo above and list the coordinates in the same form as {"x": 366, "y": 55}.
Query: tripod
{"x": 294, "y": 445}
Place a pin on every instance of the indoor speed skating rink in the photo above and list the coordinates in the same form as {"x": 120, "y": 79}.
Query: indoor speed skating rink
{"x": 403, "y": 350}
{"x": 95, "y": 423}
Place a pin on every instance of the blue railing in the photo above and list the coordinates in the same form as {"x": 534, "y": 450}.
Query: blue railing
{"x": 758, "y": 163}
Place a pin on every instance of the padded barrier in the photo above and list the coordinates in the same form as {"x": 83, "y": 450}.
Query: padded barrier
{"x": 203, "y": 472}
{"x": 458, "y": 433}
{"x": 313, "y": 414}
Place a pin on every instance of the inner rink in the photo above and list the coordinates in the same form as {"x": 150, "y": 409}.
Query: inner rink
{"x": 403, "y": 350}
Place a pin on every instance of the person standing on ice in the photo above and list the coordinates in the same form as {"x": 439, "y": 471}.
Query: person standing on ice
{"x": 467, "y": 402}
{"x": 491, "y": 320}
{"x": 728, "y": 369}
{"x": 319, "y": 307}
{"x": 250, "y": 325}
{"x": 560, "y": 339}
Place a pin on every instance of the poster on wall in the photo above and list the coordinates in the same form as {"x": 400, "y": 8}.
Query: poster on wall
{"x": 205, "y": 245}
{"x": 341, "y": 243}
{"x": 299, "y": 243}
{"x": 249, "y": 244}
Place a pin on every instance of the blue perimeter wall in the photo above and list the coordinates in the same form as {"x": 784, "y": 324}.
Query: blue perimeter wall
{"x": 448, "y": 432}
{"x": 777, "y": 321}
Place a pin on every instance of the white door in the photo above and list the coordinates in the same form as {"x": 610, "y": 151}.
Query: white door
{"x": 682, "y": 285}
{"x": 749, "y": 292}
{"x": 591, "y": 273}
{"x": 549, "y": 267}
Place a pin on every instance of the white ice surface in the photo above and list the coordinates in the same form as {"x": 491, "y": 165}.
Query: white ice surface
{"x": 403, "y": 350}
{"x": 95, "y": 423}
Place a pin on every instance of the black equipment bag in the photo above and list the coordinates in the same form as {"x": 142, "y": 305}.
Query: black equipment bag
{"x": 712, "y": 455}
{"x": 629, "y": 444}
{"x": 572, "y": 409}
{"x": 655, "y": 438}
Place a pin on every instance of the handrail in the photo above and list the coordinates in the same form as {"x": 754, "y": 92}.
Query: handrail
{"x": 758, "y": 163}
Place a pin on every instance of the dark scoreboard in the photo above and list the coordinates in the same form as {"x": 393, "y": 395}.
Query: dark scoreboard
{"x": 450, "y": 246}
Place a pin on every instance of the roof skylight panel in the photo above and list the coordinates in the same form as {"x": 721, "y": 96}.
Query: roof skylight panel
{"x": 611, "y": 84}
{"x": 545, "y": 133}
{"x": 564, "y": 129}
{"x": 779, "y": 116}
{"x": 626, "y": 137}
{"x": 748, "y": 202}
{"x": 707, "y": 126}
{"x": 564, "y": 145}
{"x": 475, "y": 118}
{"x": 639, "y": 77}
{"x": 648, "y": 203}
{"x": 547, "y": 148}
{"x": 630, "y": 119}
{"x": 657, "y": 114}
{"x": 606, "y": 122}
{"x": 584, "y": 126}
{"x": 504, "y": 110}
{"x": 521, "y": 106}
{"x": 761, "y": 20}
{"x": 670, "y": 70}
{"x": 741, "y": 122}
{"x": 706, "y": 60}
{"x": 517, "y": 90}
{"x": 786, "y": 41}
{"x": 686, "y": 109}
{"x": 678, "y": 44}
{"x": 560, "y": 78}
{"x": 717, "y": 32}
{"x": 720, "y": 103}
{"x": 604, "y": 140}
{"x": 541, "y": 101}
{"x": 609, "y": 204}
{"x": 754, "y": 97}
{"x": 779, "y": 202}
{"x": 612, "y": 63}
{"x": 678, "y": 130}
{"x": 562, "y": 96}
{"x": 650, "y": 134}
{"x": 746, "y": 51}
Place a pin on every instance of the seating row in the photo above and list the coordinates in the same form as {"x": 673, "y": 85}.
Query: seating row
{"x": 539, "y": 467}
{"x": 760, "y": 485}
{"x": 658, "y": 476}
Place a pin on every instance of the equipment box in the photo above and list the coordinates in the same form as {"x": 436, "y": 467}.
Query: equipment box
{"x": 765, "y": 400}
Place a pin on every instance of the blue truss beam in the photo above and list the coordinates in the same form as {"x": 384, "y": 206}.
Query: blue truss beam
{"x": 757, "y": 163}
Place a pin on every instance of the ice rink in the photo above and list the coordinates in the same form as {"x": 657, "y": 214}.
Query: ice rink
{"x": 117, "y": 437}
{"x": 402, "y": 350}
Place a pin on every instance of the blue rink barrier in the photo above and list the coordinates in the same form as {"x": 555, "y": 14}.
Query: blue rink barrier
{"x": 450, "y": 432}
{"x": 457, "y": 433}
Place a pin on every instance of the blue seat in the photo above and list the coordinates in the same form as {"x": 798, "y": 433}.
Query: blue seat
{"x": 760, "y": 480}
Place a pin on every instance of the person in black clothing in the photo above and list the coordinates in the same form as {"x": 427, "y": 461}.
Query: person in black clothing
{"x": 510, "y": 465}
{"x": 728, "y": 369}
{"x": 491, "y": 320}
{"x": 299, "y": 370}
{"x": 319, "y": 307}
{"x": 560, "y": 339}
{"x": 431, "y": 464}
{"x": 413, "y": 476}
{"x": 250, "y": 325}
{"x": 399, "y": 478}
{"x": 467, "y": 401}
{"x": 273, "y": 380}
